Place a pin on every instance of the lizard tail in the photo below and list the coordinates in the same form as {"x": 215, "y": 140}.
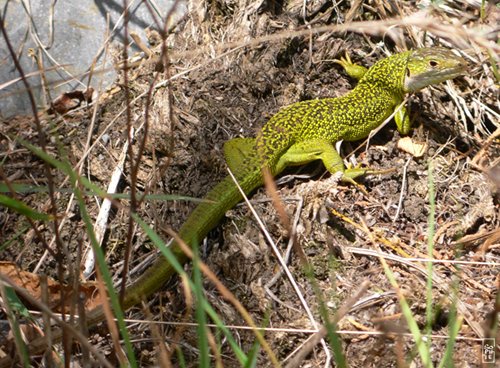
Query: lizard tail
{"x": 206, "y": 216}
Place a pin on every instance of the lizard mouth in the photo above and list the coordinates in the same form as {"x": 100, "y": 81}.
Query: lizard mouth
{"x": 414, "y": 83}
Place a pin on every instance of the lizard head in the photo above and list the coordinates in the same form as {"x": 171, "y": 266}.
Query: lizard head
{"x": 432, "y": 65}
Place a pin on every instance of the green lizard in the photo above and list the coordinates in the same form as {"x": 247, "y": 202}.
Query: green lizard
{"x": 303, "y": 132}
{"x": 307, "y": 131}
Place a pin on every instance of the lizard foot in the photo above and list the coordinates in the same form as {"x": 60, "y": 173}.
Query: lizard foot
{"x": 351, "y": 174}
{"x": 355, "y": 172}
{"x": 354, "y": 70}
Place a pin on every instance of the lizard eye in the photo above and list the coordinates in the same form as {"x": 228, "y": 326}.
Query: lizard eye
{"x": 433, "y": 63}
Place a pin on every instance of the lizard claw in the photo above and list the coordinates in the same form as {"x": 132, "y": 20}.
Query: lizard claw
{"x": 352, "y": 173}
{"x": 344, "y": 61}
{"x": 358, "y": 170}
{"x": 354, "y": 70}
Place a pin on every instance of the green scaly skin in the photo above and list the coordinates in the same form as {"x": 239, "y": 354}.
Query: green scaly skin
{"x": 303, "y": 132}
{"x": 307, "y": 131}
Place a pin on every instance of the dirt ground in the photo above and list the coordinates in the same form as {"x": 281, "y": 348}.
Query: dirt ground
{"x": 233, "y": 66}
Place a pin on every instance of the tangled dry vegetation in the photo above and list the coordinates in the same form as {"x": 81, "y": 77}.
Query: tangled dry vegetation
{"x": 233, "y": 64}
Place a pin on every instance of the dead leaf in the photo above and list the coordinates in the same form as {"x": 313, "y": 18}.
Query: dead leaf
{"x": 416, "y": 149}
{"x": 32, "y": 283}
{"x": 70, "y": 100}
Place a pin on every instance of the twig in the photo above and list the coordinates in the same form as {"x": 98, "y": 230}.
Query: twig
{"x": 103, "y": 216}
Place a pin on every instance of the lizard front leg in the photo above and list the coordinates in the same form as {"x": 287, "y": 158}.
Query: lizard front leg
{"x": 402, "y": 119}
{"x": 354, "y": 70}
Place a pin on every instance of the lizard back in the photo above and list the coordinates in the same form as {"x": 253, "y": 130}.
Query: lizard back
{"x": 350, "y": 117}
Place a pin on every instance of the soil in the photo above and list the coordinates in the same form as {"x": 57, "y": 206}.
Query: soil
{"x": 218, "y": 94}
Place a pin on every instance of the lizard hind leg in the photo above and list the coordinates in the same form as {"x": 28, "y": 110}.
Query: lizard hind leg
{"x": 238, "y": 152}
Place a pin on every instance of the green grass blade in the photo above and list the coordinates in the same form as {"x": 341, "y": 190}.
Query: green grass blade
{"x": 422, "y": 348}
{"x": 170, "y": 257}
{"x": 76, "y": 183}
{"x": 28, "y": 189}
{"x": 14, "y": 307}
{"x": 106, "y": 274}
{"x": 201, "y": 319}
{"x": 430, "y": 253}
{"x": 23, "y": 209}
{"x": 252, "y": 355}
{"x": 455, "y": 323}
{"x": 181, "y": 360}
{"x": 331, "y": 327}
{"x": 14, "y": 238}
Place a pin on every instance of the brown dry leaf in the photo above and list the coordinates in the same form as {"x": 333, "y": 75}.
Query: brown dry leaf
{"x": 32, "y": 283}
{"x": 416, "y": 149}
{"x": 70, "y": 100}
